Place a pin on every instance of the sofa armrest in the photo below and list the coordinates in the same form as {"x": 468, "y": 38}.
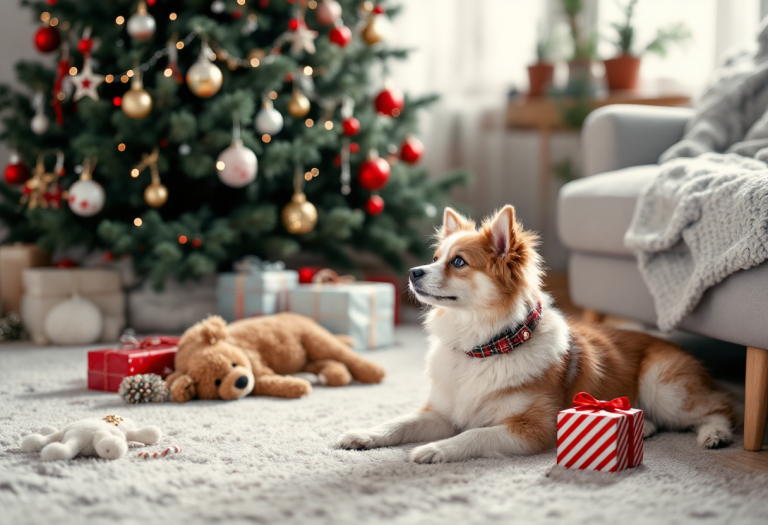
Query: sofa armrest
{"x": 622, "y": 135}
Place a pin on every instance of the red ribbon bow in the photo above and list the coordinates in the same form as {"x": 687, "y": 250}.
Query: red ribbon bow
{"x": 585, "y": 401}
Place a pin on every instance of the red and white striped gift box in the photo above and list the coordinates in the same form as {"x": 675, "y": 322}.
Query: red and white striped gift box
{"x": 606, "y": 436}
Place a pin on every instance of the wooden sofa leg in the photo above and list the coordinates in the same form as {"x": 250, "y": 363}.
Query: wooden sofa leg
{"x": 593, "y": 316}
{"x": 756, "y": 403}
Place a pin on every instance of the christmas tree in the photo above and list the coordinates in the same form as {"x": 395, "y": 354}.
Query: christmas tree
{"x": 189, "y": 133}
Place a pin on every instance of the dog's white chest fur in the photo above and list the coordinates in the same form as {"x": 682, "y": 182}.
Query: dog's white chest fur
{"x": 475, "y": 392}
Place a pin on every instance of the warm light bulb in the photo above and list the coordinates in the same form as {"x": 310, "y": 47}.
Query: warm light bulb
{"x": 266, "y": 138}
{"x": 120, "y": 21}
{"x": 309, "y": 122}
{"x": 135, "y": 172}
{"x": 121, "y": 147}
{"x": 137, "y": 221}
{"x": 220, "y": 165}
{"x": 328, "y": 124}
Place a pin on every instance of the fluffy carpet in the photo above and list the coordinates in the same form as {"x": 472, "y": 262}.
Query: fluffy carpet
{"x": 261, "y": 460}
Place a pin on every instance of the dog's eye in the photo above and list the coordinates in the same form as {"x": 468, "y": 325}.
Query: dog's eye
{"x": 458, "y": 262}
{"x": 217, "y": 382}
{"x": 434, "y": 259}
{"x": 234, "y": 365}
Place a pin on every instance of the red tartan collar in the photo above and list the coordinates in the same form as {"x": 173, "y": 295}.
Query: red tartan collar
{"x": 509, "y": 338}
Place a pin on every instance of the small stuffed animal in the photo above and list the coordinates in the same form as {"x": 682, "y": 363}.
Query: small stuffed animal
{"x": 107, "y": 438}
{"x": 254, "y": 356}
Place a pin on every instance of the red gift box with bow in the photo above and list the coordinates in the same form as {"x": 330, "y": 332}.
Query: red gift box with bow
{"x": 606, "y": 436}
{"x": 153, "y": 355}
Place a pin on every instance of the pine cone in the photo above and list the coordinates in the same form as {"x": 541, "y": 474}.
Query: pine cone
{"x": 143, "y": 388}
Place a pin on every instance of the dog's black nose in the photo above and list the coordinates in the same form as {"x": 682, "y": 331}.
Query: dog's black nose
{"x": 416, "y": 274}
{"x": 241, "y": 382}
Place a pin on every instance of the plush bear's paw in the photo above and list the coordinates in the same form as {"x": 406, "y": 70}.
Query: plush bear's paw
{"x": 32, "y": 443}
{"x": 54, "y": 452}
{"x": 370, "y": 373}
{"x": 357, "y": 440}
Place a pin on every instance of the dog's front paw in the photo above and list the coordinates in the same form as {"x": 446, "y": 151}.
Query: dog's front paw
{"x": 357, "y": 440}
{"x": 649, "y": 429}
{"x": 431, "y": 453}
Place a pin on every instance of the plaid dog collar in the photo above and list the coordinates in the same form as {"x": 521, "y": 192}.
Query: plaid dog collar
{"x": 510, "y": 338}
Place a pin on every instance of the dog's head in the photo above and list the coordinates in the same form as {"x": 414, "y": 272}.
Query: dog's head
{"x": 490, "y": 267}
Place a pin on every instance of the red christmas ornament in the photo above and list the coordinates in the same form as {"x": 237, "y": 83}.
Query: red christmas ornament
{"x": 85, "y": 45}
{"x": 47, "y": 39}
{"x": 16, "y": 172}
{"x": 411, "y": 150}
{"x": 354, "y": 147}
{"x": 52, "y": 2}
{"x": 163, "y": 143}
{"x": 306, "y": 273}
{"x": 374, "y": 173}
{"x": 150, "y": 3}
{"x": 379, "y": 9}
{"x": 293, "y": 24}
{"x": 389, "y": 102}
{"x": 236, "y": 14}
{"x": 197, "y": 242}
{"x": 65, "y": 263}
{"x": 109, "y": 256}
{"x": 374, "y": 205}
{"x": 53, "y": 197}
{"x": 117, "y": 101}
{"x": 337, "y": 161}
{"x": 340, "y": 35}
{"x": 350, "y": 126}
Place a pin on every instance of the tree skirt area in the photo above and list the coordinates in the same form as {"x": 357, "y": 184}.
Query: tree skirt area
{"x": 263, "y": 460}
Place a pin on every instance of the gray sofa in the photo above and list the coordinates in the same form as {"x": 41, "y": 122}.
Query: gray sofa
{"x": 621, "y": 147}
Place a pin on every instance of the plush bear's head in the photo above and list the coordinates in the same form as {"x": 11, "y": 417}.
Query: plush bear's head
{"x": 208, "y": 366}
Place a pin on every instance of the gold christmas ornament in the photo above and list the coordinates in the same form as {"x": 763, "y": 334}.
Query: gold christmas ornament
{"x": 137, "y": 103}
{"x": 299, "y": 105}
{"x": 204, "y": 78}
{"x": 37, "y": 187}
{"x": 377, "y": 30}
{"x": 155, "y": 194}
{"x": 299, "y": 215}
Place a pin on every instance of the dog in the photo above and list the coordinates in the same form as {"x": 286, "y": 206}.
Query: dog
{"x": 503, "y": 360}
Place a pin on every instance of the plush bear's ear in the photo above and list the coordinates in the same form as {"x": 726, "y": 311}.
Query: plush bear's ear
{"x": 206, "y": 332}
{"x": 182, "y": 388}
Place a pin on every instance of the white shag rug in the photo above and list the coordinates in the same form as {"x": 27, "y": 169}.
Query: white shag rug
{"x": 262, "y": 460}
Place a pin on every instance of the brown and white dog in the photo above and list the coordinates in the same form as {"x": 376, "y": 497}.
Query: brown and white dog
{"x": 500, "y": 372}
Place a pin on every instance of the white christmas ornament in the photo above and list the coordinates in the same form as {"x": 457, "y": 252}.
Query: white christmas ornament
{"x": 218, "y": 6}
{"x": 328, "y": 12}
{"x": 39, "y": 123}
{"x": 107, "y": 438}
{"x": 141, "y": 25}
{"x": 86, "y": 82}
{"x": 86, "y": 196}
{"x": 269, "y": 121}
{"x": 76, "y": 321}
{"x": 237, "y": 165}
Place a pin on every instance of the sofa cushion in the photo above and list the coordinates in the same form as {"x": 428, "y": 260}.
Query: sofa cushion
{"x": 595, "y": 212}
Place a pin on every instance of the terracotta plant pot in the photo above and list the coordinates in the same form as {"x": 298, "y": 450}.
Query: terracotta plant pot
{"x": 540, "y": 78}
{"x": 622, "y": 73}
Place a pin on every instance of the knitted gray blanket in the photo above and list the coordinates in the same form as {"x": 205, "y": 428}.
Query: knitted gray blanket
{"x": 705, "y": 216}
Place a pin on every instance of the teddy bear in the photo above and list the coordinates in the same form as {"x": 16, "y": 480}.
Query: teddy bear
{"x": 107, "y": 438}
{"x": 256, "y": 355}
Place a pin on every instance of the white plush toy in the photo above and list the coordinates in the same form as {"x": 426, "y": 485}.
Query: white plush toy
{"x": 107, "y": 438}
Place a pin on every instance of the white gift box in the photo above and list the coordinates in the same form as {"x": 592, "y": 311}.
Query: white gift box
{"x": 253, "y": 291}
{"x": 362, "y": 310}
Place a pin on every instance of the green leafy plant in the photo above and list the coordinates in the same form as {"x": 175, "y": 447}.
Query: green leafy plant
{"x": 584, "y": 44}
{"x": 625, "y": 34}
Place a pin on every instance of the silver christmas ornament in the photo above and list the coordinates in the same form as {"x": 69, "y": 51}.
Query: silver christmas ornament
{"x": 269, "y": 121}
{"x": 141, "y": 25}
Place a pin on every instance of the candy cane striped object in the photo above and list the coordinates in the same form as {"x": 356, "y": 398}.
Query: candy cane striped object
{"x": 175, "y": 449}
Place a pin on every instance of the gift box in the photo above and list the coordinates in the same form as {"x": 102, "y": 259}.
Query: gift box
{"x": 108, "y": 367}
{"x": 255, "y": 288}
{"x": 14, "y": 259}
{"x": 606, "y": 436}
{"x": 397, "y": 282}
{"x": 44, "y": 288}
{"x": 362, "y": 310}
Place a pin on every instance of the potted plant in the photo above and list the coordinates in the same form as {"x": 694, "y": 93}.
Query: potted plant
{"x": 541, "y": 73}
{"x": 584, "y": 47}
{"x": 623, "y": 71}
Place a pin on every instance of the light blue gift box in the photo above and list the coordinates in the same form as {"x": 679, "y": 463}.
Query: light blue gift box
{"x": 362, "y": 310}
{"x": 255, "y": 289}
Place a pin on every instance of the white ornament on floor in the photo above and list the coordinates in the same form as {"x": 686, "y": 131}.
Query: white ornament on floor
{"x": 107, "y": 438}
{"x": 76, "y": 321}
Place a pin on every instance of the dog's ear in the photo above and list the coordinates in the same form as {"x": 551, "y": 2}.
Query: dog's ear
{"x": 453, "y": 221}
{"x": 503, "y": 229}
{"x": 182, "y": 387}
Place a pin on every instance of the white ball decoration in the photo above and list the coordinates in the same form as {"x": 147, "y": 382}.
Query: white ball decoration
{"x": 86, "y": 198}
{"x": 237, "y": 165}
{"x": 328, "y": 12}
{"x": 141, "y": 25}
{"x": 39, "y": 124}
{"x": 218, "y": 6}
{"x": 76, "y": 321}
{"x": 269, "y": 121}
